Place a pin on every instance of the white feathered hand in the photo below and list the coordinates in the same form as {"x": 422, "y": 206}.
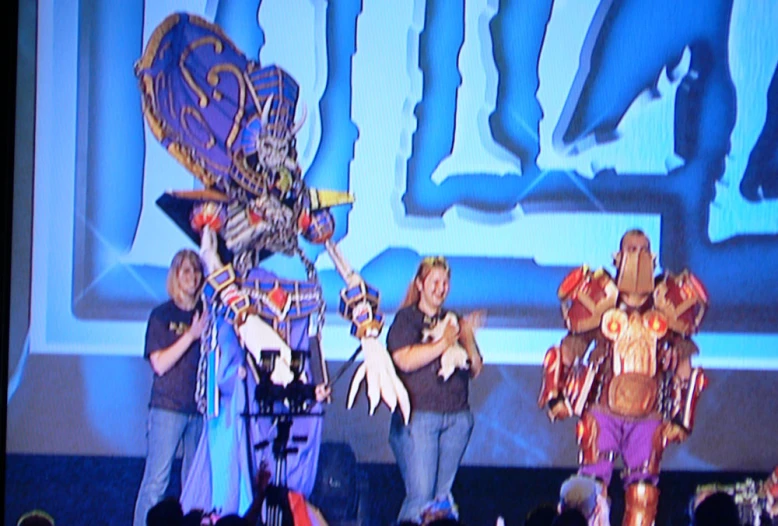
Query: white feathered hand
{"x": 256, "y": 336}
{"x": 381, "y": 380}
{"x": 377, "y": 369}
{"x": 455, "y": 357}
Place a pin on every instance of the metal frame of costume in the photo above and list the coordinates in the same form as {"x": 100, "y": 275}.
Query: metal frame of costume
{"x": 231, "y": 123}
{"x": 624, "y": 369}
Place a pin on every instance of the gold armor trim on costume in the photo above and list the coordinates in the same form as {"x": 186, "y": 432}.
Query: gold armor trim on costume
{"x": 550, "y": 385}
{"x": 634, "y": 339}
{"x": 208, "y": 194}
{"x": 688, "y": 396}
{"x": 633, "y": 390}
{"x": 683, "y": 300}
{"x": 578, "y": 386}
{"x": 586, "y": 433}
{"x": 658, "y": 445}
{"x": 632, "y": 394}
{"x": 329, "y": 198}
{"x": 221, "y": 278}
{"x": 585, "y": 296}
{"x": 641, "y": 501}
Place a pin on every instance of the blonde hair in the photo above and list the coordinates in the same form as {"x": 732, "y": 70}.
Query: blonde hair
{"x": 412, "y": 295}
{"x": 173, "y": 285}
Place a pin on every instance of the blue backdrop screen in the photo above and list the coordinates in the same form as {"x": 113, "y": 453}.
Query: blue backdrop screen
{"x": 519, "y": 139}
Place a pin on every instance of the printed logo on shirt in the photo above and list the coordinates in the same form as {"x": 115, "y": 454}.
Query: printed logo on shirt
{"x": 178, "y": 328}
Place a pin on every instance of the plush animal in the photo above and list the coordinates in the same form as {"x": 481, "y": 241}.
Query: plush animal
{"x": 455, "y": 357}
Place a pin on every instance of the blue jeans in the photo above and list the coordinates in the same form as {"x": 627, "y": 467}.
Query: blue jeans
{"x": 428, "y": 451}
{"x": 165, "y": 430}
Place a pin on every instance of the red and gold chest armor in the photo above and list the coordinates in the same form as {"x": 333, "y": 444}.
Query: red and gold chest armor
{"x": 633, "y": 387}
{"x": 631, "y": 368}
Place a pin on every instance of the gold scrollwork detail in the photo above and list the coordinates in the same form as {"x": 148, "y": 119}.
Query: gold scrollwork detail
{"x": 190, "y": 111}
{"x": 218, "y": 48}
{"x": 156, "y": 37}
{"x": 150, "y": 107}
{"x": 214, "y": 166}
{"x": 160, "y": 84}
{"x": 171, "y": 108}
{"x": 164, "y": 48}
{"x": 199, "y": 21}
{"x": 213, "y": 80}
{"x": 156, "y": 127}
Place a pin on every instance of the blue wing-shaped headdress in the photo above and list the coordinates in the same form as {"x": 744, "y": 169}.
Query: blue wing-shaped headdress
{"x": 207, "y": 103}
{"x": 209, "y": 106}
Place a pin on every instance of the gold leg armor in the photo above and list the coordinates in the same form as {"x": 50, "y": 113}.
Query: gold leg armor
{"x": 586, "y": 433}
{"x": 602, "y": 514}
{"x": 551, "y": 390}
{"x": 641, "y": 500}
{"x": 658, "y": 448}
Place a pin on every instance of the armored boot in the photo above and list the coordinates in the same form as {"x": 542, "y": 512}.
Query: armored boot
{"x": 602, "y": 513}
{"x": 641, "y": 500}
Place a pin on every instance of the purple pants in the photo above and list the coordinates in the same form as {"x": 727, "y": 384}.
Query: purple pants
{"x": 630, "y": 438}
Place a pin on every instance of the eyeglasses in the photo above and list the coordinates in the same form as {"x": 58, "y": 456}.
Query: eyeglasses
{"x": 435, "y": 261}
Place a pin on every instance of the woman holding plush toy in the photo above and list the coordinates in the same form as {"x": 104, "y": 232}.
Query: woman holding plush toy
{"x": 435, "y": 354}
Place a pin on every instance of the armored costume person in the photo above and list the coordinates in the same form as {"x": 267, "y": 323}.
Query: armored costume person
{"x": 625, "y": 369}
{"x": 232, "y": 124}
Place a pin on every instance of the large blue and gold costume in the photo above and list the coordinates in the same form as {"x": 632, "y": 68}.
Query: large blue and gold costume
{"x": 231, "y": 123}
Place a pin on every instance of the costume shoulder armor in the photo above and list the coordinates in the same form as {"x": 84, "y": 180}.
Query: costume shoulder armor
{"x": 585, "y": 296}
{"x": 682, "y": 298}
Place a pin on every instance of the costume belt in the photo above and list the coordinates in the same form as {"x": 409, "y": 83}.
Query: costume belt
{"x": 277, "y": 300}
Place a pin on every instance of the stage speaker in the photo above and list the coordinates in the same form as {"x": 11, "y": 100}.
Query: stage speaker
{"x": 340, "y": 485}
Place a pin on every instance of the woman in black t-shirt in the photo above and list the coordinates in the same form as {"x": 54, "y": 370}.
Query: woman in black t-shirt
{"x": 429, "y": 448}
{"x": 173, "y": 350}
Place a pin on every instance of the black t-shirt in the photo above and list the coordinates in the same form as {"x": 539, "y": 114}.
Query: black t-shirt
{"x": 175, "y": 390}
{"x": 427, "y": 390}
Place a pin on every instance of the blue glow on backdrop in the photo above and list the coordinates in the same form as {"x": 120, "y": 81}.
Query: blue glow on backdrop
{"x": 519, "y": 139}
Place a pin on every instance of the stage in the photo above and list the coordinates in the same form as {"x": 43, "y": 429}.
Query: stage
{"x": 102, "y": 490}
{"x": 520, "y": 140}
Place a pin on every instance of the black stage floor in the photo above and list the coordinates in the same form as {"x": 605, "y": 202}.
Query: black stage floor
{"x": 101, "y": 491}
